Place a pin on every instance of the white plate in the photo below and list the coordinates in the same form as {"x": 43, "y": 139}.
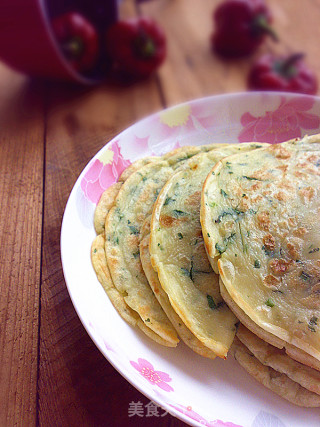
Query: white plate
{"x": 199, "y": 391}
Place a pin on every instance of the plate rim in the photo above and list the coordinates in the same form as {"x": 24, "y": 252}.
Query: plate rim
{"x": 225, "y": 96}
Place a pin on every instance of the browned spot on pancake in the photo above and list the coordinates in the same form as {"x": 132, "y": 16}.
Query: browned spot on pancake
{"x": 286, "y": 185}
{"x": 269, "y": 242}
{"x": 271, "y": 281}
{"x": 280, "y": 196}
{"x": 292, "y": 222}
{"x": 257, "y": 198}
{"x": 300, "y": 174}
{"x": 280, "y": 266}
{"x": 264, "y": 220}
{"x": 155, "y": 286}
{"x": 283, "y": 168}
{"x": 243, "y": 204}
{"x": 303, "y": 165}
{"x": 194, "y": 199}
{"x": 300, "y": 231}
{"x": 169, "y": 221}
{"x": 307, "y": 193}
{"x": 313, "y": 158}
{"x": 256, "y": 186}
{"x": 133, "y": 239}
{"x": 293, "y": 251}
{"x": 279, "y": 151}
{"x": 311, "y": 169}
{"x": 261, "y": 174}
{"x": 313, "y": 299}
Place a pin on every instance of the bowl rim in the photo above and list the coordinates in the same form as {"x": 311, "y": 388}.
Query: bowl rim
{"x": 70, "y": 71}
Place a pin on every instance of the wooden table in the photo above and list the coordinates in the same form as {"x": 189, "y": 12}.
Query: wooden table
{"x": 51, "y": 373}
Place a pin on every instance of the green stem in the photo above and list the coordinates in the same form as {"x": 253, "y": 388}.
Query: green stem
{"x": 260, "y": 25}
{"x": 73, "y": 48}
{"x": 287, "y": 67}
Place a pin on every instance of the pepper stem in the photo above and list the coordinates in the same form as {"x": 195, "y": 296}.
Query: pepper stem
{"x": 287, "y": 67}
{"x": 144, "y": 46}
{"x": 73, "y": 48}
{"x": 261, "y": 25}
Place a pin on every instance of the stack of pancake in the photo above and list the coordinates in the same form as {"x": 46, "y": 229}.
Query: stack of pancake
{"x": 219, "y": 246}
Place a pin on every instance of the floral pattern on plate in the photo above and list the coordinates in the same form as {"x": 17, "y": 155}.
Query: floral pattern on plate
{"x": 167, "y": 129}
{"x": 103, "y": 172}
{"x": 264, "y": 419}
{"x": 282, "y": 124}
{"x": 154, "y": 377}
{"x": 189, "y": 412}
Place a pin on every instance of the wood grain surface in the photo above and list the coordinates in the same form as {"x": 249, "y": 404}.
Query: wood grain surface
{"x": 21, "y": 200}
{"x": 51, "y": 373}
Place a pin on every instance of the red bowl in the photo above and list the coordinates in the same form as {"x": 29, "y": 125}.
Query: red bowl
{"x": 27, "y": 42}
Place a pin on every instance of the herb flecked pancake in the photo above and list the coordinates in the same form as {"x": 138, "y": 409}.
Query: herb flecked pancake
{"x": 292, "y": 351}
{"x": 184, "y": 333}
{"x": 168, "y": 336}
{"x": 179, "y": 257}
{"x": 275, "y": 381}
{"x": 260, "y": 218}
{"x": 132, "y": 206}
{"x": 108, "y": 196}
{"x": 99, "y": 261}
{"x": 271, "y": 356}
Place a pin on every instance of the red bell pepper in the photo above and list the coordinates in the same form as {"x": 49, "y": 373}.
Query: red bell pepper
{"x": 240, "y": 27}
{"x": 282, "y": 73}
{"x": 78, "y": 40}
{"x": 136, "y": 46}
